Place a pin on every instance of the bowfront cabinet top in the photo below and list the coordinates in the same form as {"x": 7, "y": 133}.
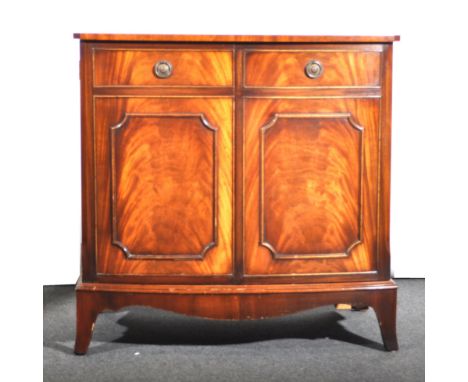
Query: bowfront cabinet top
{"x": 256, "y": 167}
{"x": 234, "y": 38}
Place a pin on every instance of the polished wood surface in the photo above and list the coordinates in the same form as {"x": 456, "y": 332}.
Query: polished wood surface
{"x": 164, "y": 169}
{"x": 310, "y": 192}
{"x": 383, "y": 250}
{"x": 135, "y": 67}
{"x": 237, "y": 187}
{"x": 311, "y": 182}
{"x": 342, "y": 66}
{"x": 233, "y": 38}
{"x": 166, "y": 164}
{"x": 234, "y": 304}
{"x": 233, "y": 288}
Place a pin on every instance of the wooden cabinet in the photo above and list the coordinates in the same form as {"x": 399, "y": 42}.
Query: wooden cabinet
{"x": 235, "y": 177}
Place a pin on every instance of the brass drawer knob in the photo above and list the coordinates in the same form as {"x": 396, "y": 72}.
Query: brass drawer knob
{"x": 313, "y": 69}
{"x": 162, "y": 69}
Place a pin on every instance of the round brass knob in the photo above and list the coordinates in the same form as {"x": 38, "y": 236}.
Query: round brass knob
{"x": 313, "y": 69}
{"x": 162, "y": 69}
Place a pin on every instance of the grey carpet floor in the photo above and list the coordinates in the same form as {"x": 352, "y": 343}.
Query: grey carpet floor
{"x": 143, "y": 344}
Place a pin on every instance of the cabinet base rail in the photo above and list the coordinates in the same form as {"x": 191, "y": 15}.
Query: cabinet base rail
{"x": 234, "y": 302}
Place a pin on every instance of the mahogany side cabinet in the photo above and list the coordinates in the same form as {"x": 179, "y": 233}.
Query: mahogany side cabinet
{"x": 235, "y": 177}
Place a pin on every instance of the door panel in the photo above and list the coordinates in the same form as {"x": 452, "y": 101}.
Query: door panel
{"x": 164, "y": 186}
{"x": 311, "y": 186}
{"x": 164, "y": 199}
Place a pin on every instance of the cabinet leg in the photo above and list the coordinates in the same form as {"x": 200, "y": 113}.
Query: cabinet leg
{"x": 86, "y": 314}
{"x": 385, "y": 309}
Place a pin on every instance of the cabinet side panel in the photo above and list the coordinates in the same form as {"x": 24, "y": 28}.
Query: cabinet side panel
{"x": 384, "y": 166}
{"x": 88, "y": 265}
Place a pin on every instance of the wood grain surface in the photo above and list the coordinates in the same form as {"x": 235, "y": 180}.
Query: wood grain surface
{"x": 257, "y": 303}
{"x": 233, "y": 38}
{"x": 172, "y": 183}
{"x": 135, "y": 67}
{"x": 310, "y": 185}
{"x": 164, "y": 172}
{"x": 309, "y": 196}
{"x": 341, "y": 67}
{"x": 359, "y": 259}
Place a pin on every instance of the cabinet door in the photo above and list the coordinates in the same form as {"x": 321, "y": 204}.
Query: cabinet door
{"x": 163, "y": 186}
{"x": 311, "y": 170}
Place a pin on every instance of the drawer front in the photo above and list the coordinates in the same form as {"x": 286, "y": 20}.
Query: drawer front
{"x": 327, "y": 68}
{"x": 139, "y": 67}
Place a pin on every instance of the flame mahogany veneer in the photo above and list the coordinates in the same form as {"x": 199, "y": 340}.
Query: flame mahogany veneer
{"x": 235, "y": 177}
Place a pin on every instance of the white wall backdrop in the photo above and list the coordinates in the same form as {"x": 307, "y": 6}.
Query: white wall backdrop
{"x": 40, "y": 129}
